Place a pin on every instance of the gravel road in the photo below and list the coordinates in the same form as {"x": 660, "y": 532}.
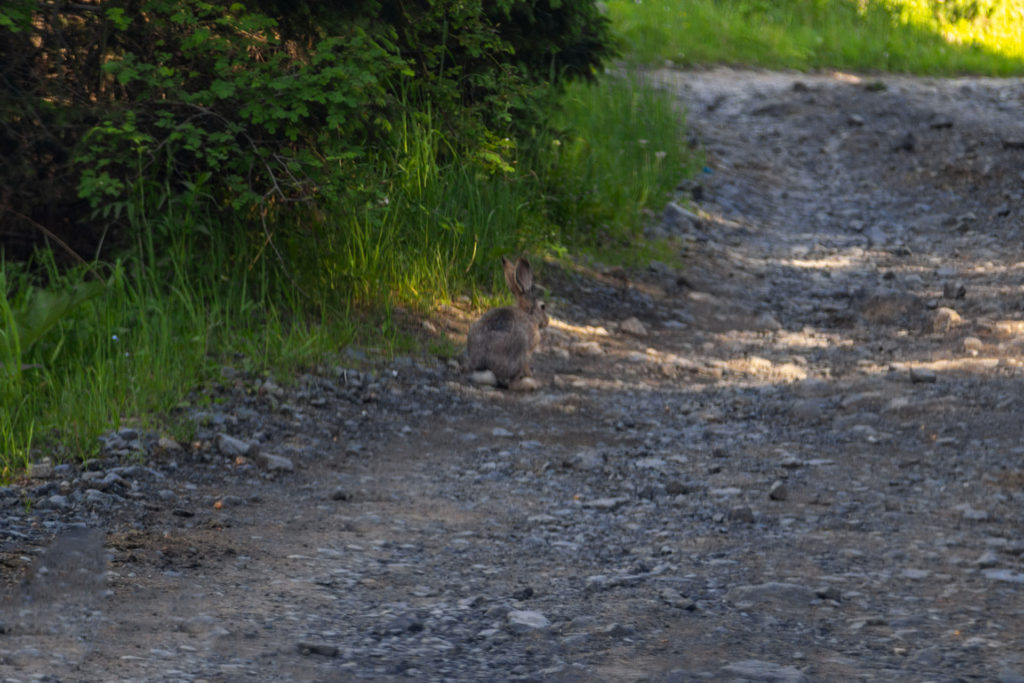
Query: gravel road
{"x": 800, "y": 458}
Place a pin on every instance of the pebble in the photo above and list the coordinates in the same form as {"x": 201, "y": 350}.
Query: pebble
{"x": 944, "y": 320}
{"x": 605, "y": 504}
{"x": 274, "y": 463}
{"x": 526, "y": 620}
{"x": 1004, "y": 575}
{"x": 321, "y": 649}
{"x": 772, "y": 593}
{"x": 919, "y": 375}
{"x": 232, "y": 447}
{"x": 756, "y": 671}
{"x": 634, "y": 327}
{"x": 742, "y": 513}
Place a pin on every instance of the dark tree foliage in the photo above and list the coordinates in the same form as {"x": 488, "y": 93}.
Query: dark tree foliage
{"x": 112, "y": 107}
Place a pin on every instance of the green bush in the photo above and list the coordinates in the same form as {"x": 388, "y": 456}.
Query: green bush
{"x": 258, "y": 110}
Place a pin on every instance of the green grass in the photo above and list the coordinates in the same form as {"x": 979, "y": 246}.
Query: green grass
{"x": 158, "y": 328}
{"x": 864, "y": 35}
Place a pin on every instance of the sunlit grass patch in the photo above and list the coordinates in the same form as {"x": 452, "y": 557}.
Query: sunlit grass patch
{"x": 913, "y": 36}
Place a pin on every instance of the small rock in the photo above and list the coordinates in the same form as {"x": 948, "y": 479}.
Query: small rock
{"x": 321, "y": 649}
{"x": 527, "y": 620}
{"x": 988, "y": 559}
{"x": 678, "y": 218}
{"x": 742, "y": 513}
{"x": 954, "y": 290}
{"x": 54, "y": 502}
{"x": 973, "y": 344}
{"x": 274, "y": 463}
{"x": 339, "y": 493}
{"x": 232, "y": 447}
{"x": 675, "y": 487}
{"x": 523, "y": 593}
{"x": 905, "y": 142}
{"x": 484, "y": 378}
{"x": 40, "y": 470}
{"x": 772, "y": 593}
{"x": 828, "y": 593}
{"x": 617, "y": 631}
{"x": 587, "y": 460}
{"x": 96, "y": 498}
{"x": 403, "y": 623}
{"x": 270, "y": 388}
{"x": 767, "y": 321}
{"x": 915, "y": 574}
{"x": 944, "y": 319}
{"x": 677, "y": 599}
{"x": 974, "y": 515}
{"x": 1006, "y": 575}
{"x": 586, "y": 348}
{"x": 778, "y": 491}
{"x": 606, "y": 504}
{"x": 756, "y": 671}
{"x": 501, "y": 432}
{"x": 1009, "y": 676}
{"x": 923, "y": 376}
{"x": 634, "y": 327}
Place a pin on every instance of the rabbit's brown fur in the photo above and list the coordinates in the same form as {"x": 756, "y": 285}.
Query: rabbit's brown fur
{"x": 501, "y": 340}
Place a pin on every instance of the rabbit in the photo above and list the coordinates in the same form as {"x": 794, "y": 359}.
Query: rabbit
{"x": 498, "y": 345}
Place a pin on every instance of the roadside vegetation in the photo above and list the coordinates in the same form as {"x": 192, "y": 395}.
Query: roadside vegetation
{"x": 195, "y": 185}
{"x": 926, "y": 37}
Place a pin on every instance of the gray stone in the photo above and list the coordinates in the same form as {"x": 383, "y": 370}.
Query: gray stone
{"x": 988, "y": 559}
{"x": 54, "y": 502}
{"x": 944, "y": 320}
{"x": 772, "y": 593}
{"x": 1009, "y": 676}
{"x": 954, "y": 290}
{"x": 1005, "y": 575}
{"x": 97, "y": 498}
{"x": 231, "y": 447}
{"x": 633, "y": 326}
{"x": 606, "y": 504}
{"x": 675, "y": 218}
{"x": 168, "y": 444}
{"x": 778, "y": 491}
{"x": 617, "y": 630}
{"x": 526, "y": 620}
{"x": 828, "y": 593}
{"x": 742, "y": 513}
{"x": 40, "y": 470}
{"x": 274, "y": 463}
{"x": 756, "y": 671}
{"x": 920, "y": 375}
{"x": 321, "y": 649}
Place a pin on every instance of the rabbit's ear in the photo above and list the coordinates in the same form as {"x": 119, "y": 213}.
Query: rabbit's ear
{"x": 524, "y": 275}
{"x": 512, "y": 276}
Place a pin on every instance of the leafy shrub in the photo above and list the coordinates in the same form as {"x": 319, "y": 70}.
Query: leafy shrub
{"x": 117, "y": 107}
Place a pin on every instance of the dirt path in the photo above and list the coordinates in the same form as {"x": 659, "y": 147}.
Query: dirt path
{"x": 803, "y": 461}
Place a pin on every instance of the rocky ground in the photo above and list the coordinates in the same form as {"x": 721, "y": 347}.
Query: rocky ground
{"x": 798, "y": 459}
